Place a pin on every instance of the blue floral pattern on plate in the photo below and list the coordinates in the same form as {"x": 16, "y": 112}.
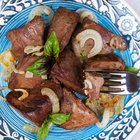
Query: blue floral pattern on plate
{"x": 129, "y": 26}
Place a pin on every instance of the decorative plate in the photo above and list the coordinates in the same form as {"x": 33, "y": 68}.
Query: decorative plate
{"x": 112, "y": 14}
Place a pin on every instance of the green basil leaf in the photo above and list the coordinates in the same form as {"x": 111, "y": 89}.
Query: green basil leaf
{"x": 48, "y": 122}
{"x": 44, "y": 129}
{"x": 37, "y": 67}
{"x": 51, "y": 47}
{"x": 51, "y": 52}
{"x": 59, "y": 118}
{"x": 131, "y": 69}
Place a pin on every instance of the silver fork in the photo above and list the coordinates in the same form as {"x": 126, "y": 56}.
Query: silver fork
{"x": 119, "y": 82}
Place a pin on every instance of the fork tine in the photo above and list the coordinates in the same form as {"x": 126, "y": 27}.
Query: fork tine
{"x": 116, "y": 74}
{"x": 122, "y": 74}
{"x": 109, "y": 72}
{"x": 116, "y": 80}
{"x": 123, "y": 87}
{"x": 119, "y": 82}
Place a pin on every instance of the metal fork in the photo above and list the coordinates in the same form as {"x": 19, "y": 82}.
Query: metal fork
{"x": 119, "y": 82}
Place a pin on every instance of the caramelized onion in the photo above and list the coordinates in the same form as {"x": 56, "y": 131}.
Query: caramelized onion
{"x": 114, "y": 42}
{"x": 53, "y": 98}
{"x": 28, "y": 74}
{"x": 38, "y": 53}
{"x": 42, "y": 9}
{"x": 44, "y": 77}
{"x": 30, "y": 128}
{"x": 119, "y": 106}
{"x": 24, "y": 95}
{"x": 105, "y": 119}
{"x": 88, "y": 85}
{"x": 32, "y": 49}
{"x": 17, "y": 71}
{"x": 86, "y": 13}
{"x": 117, "y": 42}
{"x": 82, "y": 37}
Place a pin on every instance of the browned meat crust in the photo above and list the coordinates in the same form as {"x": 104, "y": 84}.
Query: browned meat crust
{"x": 105, "y": 62}
{"x": 30, "y": 34}
{"x": 68, "y": 71}
{"x": 63, "y": 24}
{"x": 107, "y": 36}
{"x": 35, "y": 107}
{"x": 18, "y": 80}
{"x": 81, "y": 116}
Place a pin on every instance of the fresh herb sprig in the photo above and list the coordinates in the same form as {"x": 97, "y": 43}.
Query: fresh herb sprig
{"x": 51, "y": 52}
{"x": 57, "y": 119}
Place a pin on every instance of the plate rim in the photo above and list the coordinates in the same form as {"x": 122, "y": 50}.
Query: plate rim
{"x": 138, "y": 18}
{"x": 135, "y": 130}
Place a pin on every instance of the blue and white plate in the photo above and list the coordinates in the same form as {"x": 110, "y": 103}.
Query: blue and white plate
{"x": 112, "y": 14}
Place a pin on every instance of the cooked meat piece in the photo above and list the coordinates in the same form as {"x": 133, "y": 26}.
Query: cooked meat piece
{"x": 63, "y": 24}
{"x": 93, "y": 83}
{"x": 17, "y": 80}
{"x": 30, "y": 34}
{"x": 68, "y": 71}
{"x": 107, "y": 36}
{"x": 105, "y": 62}
{"x": 110, "y": 40}
{"x": 50, "y": 84}
{"x": 35, "y": 107}
{"x": 81, "y": 116}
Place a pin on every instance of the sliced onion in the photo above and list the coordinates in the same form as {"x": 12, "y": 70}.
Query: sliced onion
{"x": 119, "y": 106}
{"x": 114, "y": 44}
{"x": 86, "y": 13}
{"x": 38, "y": 53}
{"x": 30, "y": 128}
{"x": 44, "y": 77}
{"x": 105, "y": 119}
{"x": 50, "y": 124}
{"x": 17, "y": 71}
{"x": 53, "y": 98}
{"x": 88, "y": 85}
{"x": 111, "y": 111}
{"x": 24, "y": 95}
{"x": 29, "y": 74}
{"x": 83, "y": 36}
{"x": 32, "y": 49}
{"x": 41, "y": 9}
